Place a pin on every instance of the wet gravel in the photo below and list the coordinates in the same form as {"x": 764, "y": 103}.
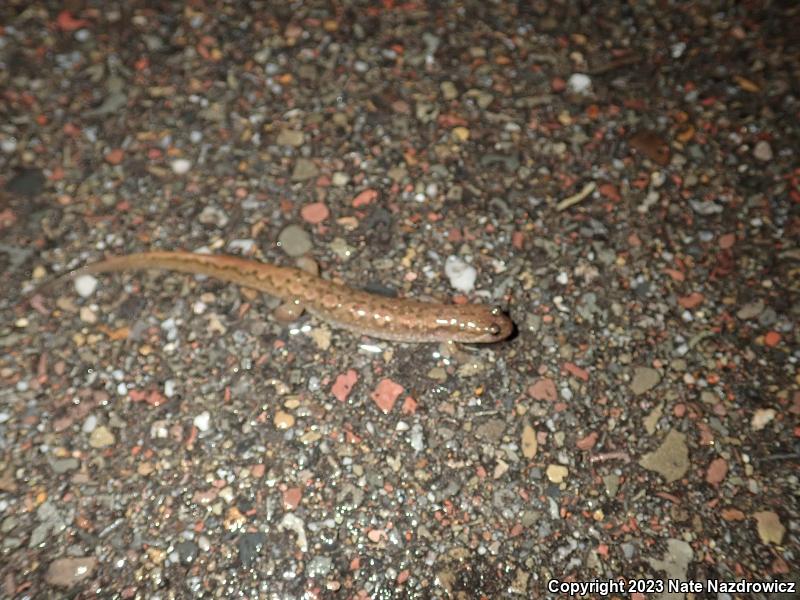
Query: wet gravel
{"x": 622, "y": 178}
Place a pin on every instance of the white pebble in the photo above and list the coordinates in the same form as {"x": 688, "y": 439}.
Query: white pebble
{"x": 462, "y": 276}
{"x": 243, "y": 245}
{"x": 202, "y": 421}
{"x": 85, "y": 285}
{"x": 169, "y": 388}
{"x": 8, "y": 145}
{"x": 678, "y": 49}
{"x": 763, "y": 151}
{"x": 90, "y": 424}
{"x": 563, "y": 278}
{"x": 181, "y": 166}
{"x": 579, "y": 83}
{"x": 88, "y": 315}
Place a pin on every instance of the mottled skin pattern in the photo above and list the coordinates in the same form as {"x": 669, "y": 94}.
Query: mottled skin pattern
{"x": 385, "y": 318}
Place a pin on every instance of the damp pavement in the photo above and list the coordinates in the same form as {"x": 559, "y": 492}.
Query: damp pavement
{"x": 621, "y": 178}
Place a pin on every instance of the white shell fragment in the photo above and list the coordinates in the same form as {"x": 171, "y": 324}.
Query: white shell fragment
{"x": 461, "y": 275}
{"x": 85, "y": 285}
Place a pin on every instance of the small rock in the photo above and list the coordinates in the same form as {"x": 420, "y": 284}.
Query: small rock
{"x": 180, "y": 166}
{"x": 460, "y": 134}
{"x": 85, "y": 285}
{"x": 340, "y": 179}
{"x": 578, "y": 83}
{"x": 762, "y": 417}
{"x": 314, "y": 213}
{"x": 716, "y": 471}
{"x": 763, "y": 151}
{"x": 62, "y": 465}
{"x": 750, "y": 310}
{"x": 644, "y": 380}
{"x": 87, "y": 315}
{"x": 449, "y": 90}
{"x": 66, "y": 572}
{"x": 386, "y": 394}
{"x": 705, "y": 207}
{"x": 202, "y": 421}
{"x": 187, "y": 551}
{"x": 319, "y": 566}
{"x": 115, "y": 156}
{"x": 344, "y": 385}
{"x": 770, "y": 529}
{"x": 557, "y": 473}
{"x": 492, "y": 430}
{"x": 304, "y": 170}
{"x": 543, "y": 389}
{"x": 292, "y": 497}
{"x": 462, "y": 276}
{"x": 529, "y": 443}
{"x": 211, "y": 215}
{"x": 294, "y": 240}
{"x": 670, "y": 459}
{"x": 101, "y": 437}
{"x": 676, "y": 561}
{"x": 290, "y": 137}
{"x": 250, "y": 546}
{"x": 283, "y": 420}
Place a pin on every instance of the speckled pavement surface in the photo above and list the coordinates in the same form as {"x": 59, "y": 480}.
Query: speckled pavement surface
{"x": 621, "y": 177}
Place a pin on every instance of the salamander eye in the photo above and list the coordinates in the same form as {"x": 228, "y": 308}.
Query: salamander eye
{"x": 494, "y": 329}
{"x": 496, "y": 310}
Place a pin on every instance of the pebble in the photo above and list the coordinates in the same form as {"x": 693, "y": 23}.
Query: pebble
{"x": 304, "y": 170}
{"x": 294, "y": 240}
{"x": 90, "y": 424}
{"x": 319, "y": 566}
{"x": 63, "y": 465}
{"x": 87, "y": 315}
{"x": 579, "y": 83}
{"x": 670, "y": 459}
{"x": 770, "y": 528}
{"x": 556, "y": 473}
{"x": 751, "y": 310}
{"x": 762, "y": 417}
{"x": 283, "y": 420}
{"x": 462, "y": 276}
{"x": 340, "y": 179}
{"x": 644, "y": 380}
{"x": 705, "y": 207}
{"x": 66, "y": 572}
{"x": 180, "y": 166}
{"x": 385, "y": 394}
{"x": 211, "y": 215}
{"x": 290, "y": 137}
{"x": 101, "y": 437}
{"x": 676, "y": 561}
{"x": 763, "y": 151}
{"x": 449, "y": 90}
{"x": 85, "y": 285}
{"x": 315, "y": 213}
{"x": 529, "y": 442}
{"x": 202, "y": 421}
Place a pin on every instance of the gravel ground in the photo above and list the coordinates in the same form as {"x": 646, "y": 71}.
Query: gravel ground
{"x": 620, "y": 176}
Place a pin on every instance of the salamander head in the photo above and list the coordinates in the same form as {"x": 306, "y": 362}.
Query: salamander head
{"x": 485, "y": 326}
